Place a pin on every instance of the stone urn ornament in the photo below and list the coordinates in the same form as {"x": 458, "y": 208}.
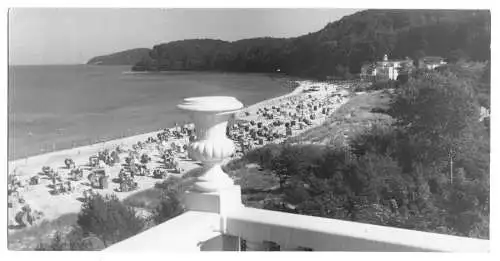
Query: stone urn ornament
{"x": 210, "y": 115}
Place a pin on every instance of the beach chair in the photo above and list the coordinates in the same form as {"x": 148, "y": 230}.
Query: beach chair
{"x": 93, "y": 161}
{"x": 70, "y": 164}
{"x": 69, "y": 186}
{"x": 103, "y": 182}
{"x": 145, "y": 158}
{"x": 35, "y": 180}
{"x": 101, "y": 164}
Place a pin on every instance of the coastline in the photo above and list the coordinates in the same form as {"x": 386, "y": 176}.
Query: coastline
{"x": 48, "y": 158}
{"x": 72, "y": 152}
{"x": 45, "y": 125}
{"x": 39, "y": 198}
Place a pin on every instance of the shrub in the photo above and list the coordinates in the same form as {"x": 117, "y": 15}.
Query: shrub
{"x": 361, "y": 86}
{"x": 109, "y": 219}
{"x": 57, "y": 244}
{"x": 295, "y": 160}
{"x": 73, "y": 240}
{"x": 170, "y": 206}
{"x": 296, "y": 194}
{"x": 172, "y": 184}
{"x": 383, "y": 85}
{"x": 377, "y": 177}
{"x": 380, "y": 138}
{"x": 264, "y": 155}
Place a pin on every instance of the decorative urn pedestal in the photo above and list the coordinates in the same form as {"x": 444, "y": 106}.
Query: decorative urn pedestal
{"x": 213, "y": 190}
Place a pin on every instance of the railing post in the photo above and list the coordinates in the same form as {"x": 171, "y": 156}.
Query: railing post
{"x": 213, "y": 190}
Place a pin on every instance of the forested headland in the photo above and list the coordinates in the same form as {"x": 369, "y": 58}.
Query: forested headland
{"x": 127, "y": 57}
{"x": 340, "y": 48}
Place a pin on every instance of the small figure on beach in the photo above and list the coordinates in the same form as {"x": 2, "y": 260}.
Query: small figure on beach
{"x": 55, "y": 178}
{"x": 69, "y": 186}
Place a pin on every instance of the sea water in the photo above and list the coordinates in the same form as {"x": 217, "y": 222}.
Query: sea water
{"x": 56, "y": 107}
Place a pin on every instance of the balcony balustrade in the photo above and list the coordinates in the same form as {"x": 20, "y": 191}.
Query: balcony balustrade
{"x": 216, "y": 219}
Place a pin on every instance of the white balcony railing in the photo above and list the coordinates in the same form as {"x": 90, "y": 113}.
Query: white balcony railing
{"x": 290, "y": 231}
{"x": 217, "y": 220}
{"x": 208, "y": 231}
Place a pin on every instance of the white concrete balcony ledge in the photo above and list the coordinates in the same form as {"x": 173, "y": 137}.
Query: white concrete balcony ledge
{"x": 202, "y": 231}
{"x": 217, "y": 220}
{"x": 184, "y": 233}
{"x": 324, "y": 234}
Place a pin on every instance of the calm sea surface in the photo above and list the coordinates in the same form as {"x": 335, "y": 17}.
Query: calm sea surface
{"x": 73, "y": 105}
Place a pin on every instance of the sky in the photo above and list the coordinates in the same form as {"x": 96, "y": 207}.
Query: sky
{"x": 73, "y": 36}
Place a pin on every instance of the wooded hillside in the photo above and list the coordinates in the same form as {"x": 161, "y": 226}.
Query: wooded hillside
{"x": 340, "y": 48}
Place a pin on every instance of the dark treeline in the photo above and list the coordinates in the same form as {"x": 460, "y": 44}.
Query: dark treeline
{"x": 340, "y": 48}
{"x": 127, "y": 57}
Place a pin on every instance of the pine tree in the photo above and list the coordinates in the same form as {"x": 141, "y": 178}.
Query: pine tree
{"x": 109, "y": 219}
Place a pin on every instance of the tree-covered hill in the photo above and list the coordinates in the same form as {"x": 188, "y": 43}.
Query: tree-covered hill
{"x": 340, "y": 47}
{"x": 128, "y": 57}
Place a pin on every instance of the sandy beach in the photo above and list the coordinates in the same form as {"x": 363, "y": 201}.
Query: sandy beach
{"x": 39, "y": 198}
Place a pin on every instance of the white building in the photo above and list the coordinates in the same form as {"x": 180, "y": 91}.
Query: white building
{"x": 385, "y": 69}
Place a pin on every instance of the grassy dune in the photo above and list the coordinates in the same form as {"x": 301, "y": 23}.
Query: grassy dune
{"x": 353, "y": 118}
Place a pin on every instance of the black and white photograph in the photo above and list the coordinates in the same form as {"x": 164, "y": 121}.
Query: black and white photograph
{"x": 248, "y": 129}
